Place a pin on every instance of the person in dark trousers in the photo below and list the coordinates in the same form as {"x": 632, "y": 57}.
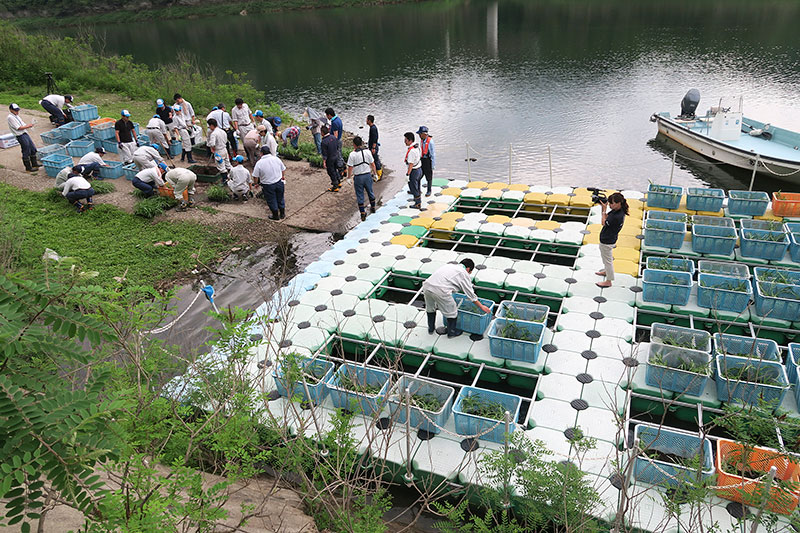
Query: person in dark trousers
{"x": 330, "y": 158}
{"x": 428, "y": 157}
{"x": 413, "y": 169}
{"x": 612, "y": 222}
{"x": 77, "y": 188}
{"x": 438, "y": 291}
{"x": 361, "y": 167}
{"x": 374, "y": 145}
{"x": 18, "y": 127}
{"x": 54, "y": 104}
{"x": 271, "y": 174}
{"x": 336, "y": 124}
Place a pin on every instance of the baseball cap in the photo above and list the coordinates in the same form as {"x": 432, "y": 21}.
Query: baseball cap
{"x": 261, "y": 127}
{"x": 14, "y": 107}
{"x": 259, "y": 113}
{"x": 176, "y": 107}
{"x": 422, "y": 129}
{"x": 277, "y": 120}
{"x": 154, "y": 145}
{"x": 265, "y": 150}
{"x": 125, "y": 113}
{"x": 239, "y": 159}
{"x": 100, "y": 150}
{"x": 162, "y": 166}
{"x": 160, "y": 102}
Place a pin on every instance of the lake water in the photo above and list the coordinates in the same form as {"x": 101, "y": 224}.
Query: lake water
{"x": 582, "y": 77}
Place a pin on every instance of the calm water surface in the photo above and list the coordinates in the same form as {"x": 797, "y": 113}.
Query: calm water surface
{"x": 582, "y": 77}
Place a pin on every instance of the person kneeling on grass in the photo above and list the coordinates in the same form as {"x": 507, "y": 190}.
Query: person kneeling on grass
{"x": 240, "y": 182}
{"x": 612, "y": 222}
{"x": 182, "y": 179}
{"x": 77, "y": 188}
{"x": 149, "y": 179}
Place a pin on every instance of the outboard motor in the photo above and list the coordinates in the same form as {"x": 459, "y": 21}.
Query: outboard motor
{"x": 689, "y": 104}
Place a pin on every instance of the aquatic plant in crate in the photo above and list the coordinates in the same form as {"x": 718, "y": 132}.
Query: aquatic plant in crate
{"x": 671, "y": 457}
{"x": 751, "y": 347}
{"x": 664, "y": 233}
{"x": 516, "y": 339}
{"x": 733, "y": 270}
{"x": 679, "y": 359}
{"x": 702, "y": 199}
{"x": 777, "y": 300}
{"x": 793, "y": 230}
{"x": 763, "y": 244}
{"x": 750, "y": 381}
{"x": 481, "y": 411}
{"x": 723, "y": 293}
{"x": 355, "y": 386}
{"x": 792, "y": 360}
{"x": 750, "y": 203}
{"x": 713, "y": 235}
{"x": 786, "y": 204}
{"x": 470, "y": 317}
{"x": 674, "y": 264}
{"x": 672, "y": 216}
{"x": 777, "y": 275}
{"x": 296, "y": 373}
{"x": 523, "y": 311}
{"x": 741, "y": 473}
{"x": 667, "y": 287}
{"x": 664, "y": 196}
{"x": 430, "y": 403}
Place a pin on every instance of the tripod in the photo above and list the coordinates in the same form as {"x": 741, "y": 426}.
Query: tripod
{"x": 52, "y": 87}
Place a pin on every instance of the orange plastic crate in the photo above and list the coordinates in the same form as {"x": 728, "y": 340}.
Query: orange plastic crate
{"x": 750, "y": 492}
{"x": 786, "y": 204}
{"x": 98, "y": 121}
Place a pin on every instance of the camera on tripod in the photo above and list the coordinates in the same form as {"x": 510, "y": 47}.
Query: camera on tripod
{"x": 598, "y": 196}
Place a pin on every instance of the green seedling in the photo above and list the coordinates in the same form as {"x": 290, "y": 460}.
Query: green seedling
{"x": 350, "y": 381}
{"x": 683, "y": 363}
{"x": 427, "y": 402}
{"x": 752, "y": 374}
{"x": 511, "y": 330}
{"x": 479, "y": 406}
{"x": 736, "y": 286}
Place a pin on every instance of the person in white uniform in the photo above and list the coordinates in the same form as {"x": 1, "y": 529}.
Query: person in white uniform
{"x": 242, "y": 119}
{"x": 240, "y": 182}
{"x": 182, "y": 179}
{"x": 150, "y": 179}
{"x": 92, "y": 162}
{"x": 217, "y": 143}
{"x": 75, "y": 189}
{"x": 18, "y": 127}
{"x": 438, "y": 292}
{"x": 147, "y": 157}
{"x": 181, "y": 126}
{"x": 157, "y": 132}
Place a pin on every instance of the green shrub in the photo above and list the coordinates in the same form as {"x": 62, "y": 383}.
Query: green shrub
{"x": 103, "y": 187}
{"x": 307, "y": 149}
{"x": 346, "y": 153}
{"x": 315, "y": 160}
{"x": 287, "y": 152}
{"x": 154, "y": 206}
{"x": 217, "y": 193}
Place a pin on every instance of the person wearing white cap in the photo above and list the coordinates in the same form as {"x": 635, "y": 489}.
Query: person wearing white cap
{"x": 126, "y": 137}
{"x": 242, "y": 119}
{"x": 54, "y": 104}
{"x": 217, "y": 143}
{"x": 183, "y": 132}
{"x": 18, "y": 127}
{"x": 225, "y": 123}
{"x": 147, "y": 156}
{"x": 182, "y": 179}
{"x": 240, "y": 182}
{"x": 156, "y": 131}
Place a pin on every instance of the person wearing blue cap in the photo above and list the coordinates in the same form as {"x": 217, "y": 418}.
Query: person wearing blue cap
{"x": 182, "y": 181}
{"x": 187, "y": 113}
{"x": 182, "y": 128}
{"x": 261, "y": 120}
{"x": 427, "y": 157}
{"x": 165, "y": 112}
{"x": 240, "y": 182}
{"x": 126, "y": 137}
{"x": 147, "y": 156}
{"x": 149, "y": 179}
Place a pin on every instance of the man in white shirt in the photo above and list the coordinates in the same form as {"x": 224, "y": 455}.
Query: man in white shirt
{"x": 187, "y": 111}
{"x": 18, "y": 127}
{"x": 147, "y": 157}
{"x": 157, "y": 132}
{"x": 240, "y": 182}
{"x": 179, "y": 121}
{"x": 438, "y": 291}
{"x": 76, "y": 189}
{"x": 92, "y": 162}
{"x": 225, "y": 123}
{"x": 361, "y": 167}
{"x": 242, "y": 118}
{"x": 413, "y": 163}
{"x": 54, "y": 104}
{"x": 182, "y": 179}
{"x": 270, "y": 172}
{"x": 217, "y": 143}
{"x": 149, "y": 179}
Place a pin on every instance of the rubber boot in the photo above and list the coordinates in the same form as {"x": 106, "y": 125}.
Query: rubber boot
{"x": 34, "y": 163}
{"x": 183, "y": 155}
{"x": 189, "y": 158}
{"x": 183, "y": 206}
{"x": 275, "y": 215}
{"x": 191, "y": 200}
{"x": 380, "y": 174}
{"x": 451, "y": 328}
{"x": 362, "y": 212}
{"x": 431, "y": 322}
{"x": 27, "y": 162}
{"x": 372, "y": 207}
{"x": 283, "y": 212}
{"x": 417, "y": 203}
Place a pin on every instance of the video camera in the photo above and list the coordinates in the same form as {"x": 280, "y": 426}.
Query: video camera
{"x": 598, "y": 196}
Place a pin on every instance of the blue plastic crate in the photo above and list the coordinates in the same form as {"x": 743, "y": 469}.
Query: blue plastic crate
{"x": 732, "y": 270}
{"x": 52, "y": 137}
{"x": 105, "y": 131}
{"x": 767, "y": 349}
{"x": 517, "y": 350}
{"x": 766, "y": 225}
{"x": 669, "y": 376}
{"x": 777, "y": 275}
{"x": 53, "y": 164}
{"x": 750, "y": 203}
{"x": 492, "y": 430}
{"x": 697, "y": 339}
{"x": 792, "y": 359}
{"x": 523, "y": 311}
{"x": 136, "y": 128}
{"x": 673, "y": 442}
{"x": 664, "y": 233}
{"x": 721, "y": 293}
{"x": 748, "y": 392}
{"x": 713, "y": 240}
{"x": 793, "y": 229}
{"x": 112, "y": 171}
{"x": 80, "y": 147}
{"x": 776, "y": 300}
{"x": 666, "y": 286}
{"x": 130, "y": 171}
{"x": 751, "y": 245}
{"x": 472, "y": 321}
{"x": 319, "y": 368}
{"x": 85, "y": 112}
{"x": 430, "y": 421}
{"x": 347, "y": 399}
{"x": 110, "y": 146}
{"x": 702, "y": 199}
{"x": 50, "y": 149}
{"x": 144, "y": 140}
{"x": 673, "y": 264}
{"x": 74, "y": 130}
{"x": 664, "y": 196}
{"x": 175, "y": 148}
{"x": 674, "y": 216}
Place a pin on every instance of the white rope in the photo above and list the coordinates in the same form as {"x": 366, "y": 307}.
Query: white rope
{"x": 778, "y": 173}
{"x": 168, "y": 326}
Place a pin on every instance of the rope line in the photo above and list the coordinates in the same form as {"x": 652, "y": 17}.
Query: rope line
{"x": 778, "y": 173}
{"x": 168, "y": 326}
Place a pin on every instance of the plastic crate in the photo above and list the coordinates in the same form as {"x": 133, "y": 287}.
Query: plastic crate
{"x": 523, "y": 311}
{"x": 664, "y": 196}
{"x": 476, "y": 321}
{"x": 751, "y": 203}
{"x": 74, "y": 130}
{"x": 130, "y": 171}
{"x": 664, "y": 233}
{"x": 112, "y": 171}
{"x": 175, "y": 148}
{"x": 733, "y": 270}
{"x": 109, "y": 145}
{"x": 702, "y": 199}
{"x": 698, "y": 340}
{"x": 85, "y": 112}
{"x": 347, "y": 399}
{"x": 668, "y": 376}
{"x": 672, "y": 264}
{"x": 516, "y": 349}
{"x": 52, "y": 137}
{"x": 53, "y": 164}
{"x": 748, "y": 392}
{"x": 319, "y": 368}
{"x": 752, "y": 245}
{"x": 751, "y": 492}
{"x": 786, "y": 204}
{"x": 430, "y": 421}
{"x": 673, "y": 216}
{"x": 673, "y": 442}
{"x": 792, "y": 358}
{"x": 793, "y": 230}
{"x": 714, "y": 240}
{"x": 105, "y": 131}
{"x": 720, "y": 293}
{"x": 740, "y": 346}
{"x": 50, "y": 149}
{"x": 470, "y": 425}
{"x": 704, "y": 220}
{"x": 666, "y": 286}
{"x": 777, "y": 275}
{"x": 776, "y": 300}
{"x": 144, "y": 140}
{"x": 80, "y": 147}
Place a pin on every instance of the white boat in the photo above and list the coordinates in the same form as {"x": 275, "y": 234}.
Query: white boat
{"x": 729, "y": 137}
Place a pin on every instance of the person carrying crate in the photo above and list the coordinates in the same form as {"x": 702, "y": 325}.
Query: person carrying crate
{"x": 438, "y": 292}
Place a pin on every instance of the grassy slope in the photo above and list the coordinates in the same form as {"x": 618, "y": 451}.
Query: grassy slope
{"x": 106, "y": 239}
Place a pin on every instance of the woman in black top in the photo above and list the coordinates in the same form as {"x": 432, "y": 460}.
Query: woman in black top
{"x": 612, "y": 224}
